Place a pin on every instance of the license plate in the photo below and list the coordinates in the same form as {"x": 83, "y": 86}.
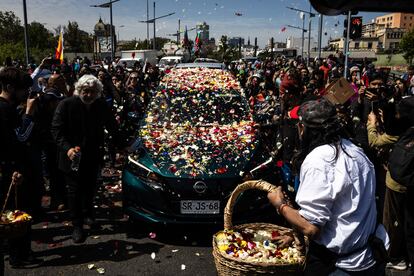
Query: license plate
{"x": 200, "y": 206}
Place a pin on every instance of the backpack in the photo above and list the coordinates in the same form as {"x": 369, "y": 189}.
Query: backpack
{"x": 401, "y": 160}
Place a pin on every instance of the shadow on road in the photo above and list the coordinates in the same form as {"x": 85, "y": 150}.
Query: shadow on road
{"x": 112, "y": 250}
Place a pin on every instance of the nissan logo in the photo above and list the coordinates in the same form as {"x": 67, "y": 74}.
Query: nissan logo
{"x": 200, "y": 187}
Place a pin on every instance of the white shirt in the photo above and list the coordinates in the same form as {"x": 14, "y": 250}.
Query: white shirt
{"x": 338, "y": 195}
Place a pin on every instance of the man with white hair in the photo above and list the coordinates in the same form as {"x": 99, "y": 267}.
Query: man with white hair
{"x": 78, "y": 128}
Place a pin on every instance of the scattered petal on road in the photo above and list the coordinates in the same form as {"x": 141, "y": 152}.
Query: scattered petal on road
{"x": 174, "y": 250}
{"x": 183, "y": 267}
{"x": 91, "y": 266}
{"x": 197, "y": 254}
{"x": 129, "y": 247}
{"x": 101, "y": 270}
{"x": 152, "y": 235}
{"x": 153, "y": 255}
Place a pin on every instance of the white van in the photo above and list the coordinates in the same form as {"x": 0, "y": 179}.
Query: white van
{"x": 170, "y": 61}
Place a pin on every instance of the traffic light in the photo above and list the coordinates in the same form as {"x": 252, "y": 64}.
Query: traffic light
{"x": 356, "y": 27}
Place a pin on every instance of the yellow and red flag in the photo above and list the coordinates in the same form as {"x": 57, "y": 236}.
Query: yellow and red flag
{"x": 59, "y": 49}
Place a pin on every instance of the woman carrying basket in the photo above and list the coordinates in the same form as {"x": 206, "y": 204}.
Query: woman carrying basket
{"x": 336, "y": 198}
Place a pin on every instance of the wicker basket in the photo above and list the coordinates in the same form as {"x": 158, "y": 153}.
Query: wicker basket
{"x": 16, "y": 229}
{"x": 229, "y": 266}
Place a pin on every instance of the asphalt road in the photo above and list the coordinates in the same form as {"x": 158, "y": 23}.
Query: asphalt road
{"x": 121, "y": 247}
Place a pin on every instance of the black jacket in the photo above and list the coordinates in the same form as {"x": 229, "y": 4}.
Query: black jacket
{"x": 76, "y": 124}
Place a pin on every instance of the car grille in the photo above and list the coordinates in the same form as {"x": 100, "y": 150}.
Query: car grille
{"x": 217, "y": 189}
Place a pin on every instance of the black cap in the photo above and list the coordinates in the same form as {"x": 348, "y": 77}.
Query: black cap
{"x": 317, "y": 114}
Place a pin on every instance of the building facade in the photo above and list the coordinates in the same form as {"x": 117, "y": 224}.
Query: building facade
{"x": 396, "y": 20}
{"x": 102, "y": 38}
{"x": 365, "y": 43}
{"x": 296, "y": 43}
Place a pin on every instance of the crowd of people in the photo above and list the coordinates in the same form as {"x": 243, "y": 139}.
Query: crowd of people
{"x": 53, "y": 116}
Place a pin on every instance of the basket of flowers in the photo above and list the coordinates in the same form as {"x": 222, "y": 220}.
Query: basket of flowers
{"x": 13, "y": 224}
{"x": 255, "y": 248}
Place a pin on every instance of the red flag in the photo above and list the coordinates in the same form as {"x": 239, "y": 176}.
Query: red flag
{"x": 283, "y": 29}
{"x": 59, "y": 49}
{"x": 198, "y": 42}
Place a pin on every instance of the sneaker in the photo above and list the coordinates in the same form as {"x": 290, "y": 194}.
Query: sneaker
{"x": 77, "y": 235}
{"x": 398, "y": 265}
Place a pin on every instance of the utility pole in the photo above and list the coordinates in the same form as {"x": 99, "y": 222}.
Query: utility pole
{"x": 147, "y": 25}
{"x": 303, "y": 34}
{"x": 347, "y": 44}
{"x": 320, "y": 36}
{"x": 255, "y": 46}
{"x": 179, "y": 32}
{"x": 153, "y": 21}
{"x": 26, "y": 37}
{"x": 311, "y": 14}
{"x": 153, "y": 43}
{"x": 309, "y": 34}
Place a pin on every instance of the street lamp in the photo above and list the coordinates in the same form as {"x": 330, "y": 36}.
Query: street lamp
{"x": 109, "y": 5}
{"x": 311, "y": 14}
{"x": 153, "y": 21}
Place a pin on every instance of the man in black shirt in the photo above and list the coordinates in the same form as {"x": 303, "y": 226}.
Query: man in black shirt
{"x": 78, "y": 127}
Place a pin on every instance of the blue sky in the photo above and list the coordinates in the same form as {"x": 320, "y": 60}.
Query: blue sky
{"x": 261, "y": 18}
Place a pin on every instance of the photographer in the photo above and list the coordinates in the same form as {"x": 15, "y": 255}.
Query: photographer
{"x": 44, "y": 70}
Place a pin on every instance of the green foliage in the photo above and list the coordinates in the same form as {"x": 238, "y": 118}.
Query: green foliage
{"x": 42, "y": 42}
{"x": 76, "y": 40}
{"x": 11, "y": 30}
{"x": 13, "y": 50}
{"x": 40, "y": 37}
{"x": 407, "y": 46}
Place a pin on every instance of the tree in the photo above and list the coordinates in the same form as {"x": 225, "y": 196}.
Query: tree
{"x": 40, "y": 37}
{"x": 77, "y": 40}
{"x": 11, "y": 30}
{"x": 407, "y": 46}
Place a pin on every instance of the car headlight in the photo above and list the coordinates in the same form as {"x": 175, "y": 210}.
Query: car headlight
{"x": 146, "y": 175}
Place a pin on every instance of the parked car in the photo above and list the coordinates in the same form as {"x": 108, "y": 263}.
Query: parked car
{"x": 196, "y": 143}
